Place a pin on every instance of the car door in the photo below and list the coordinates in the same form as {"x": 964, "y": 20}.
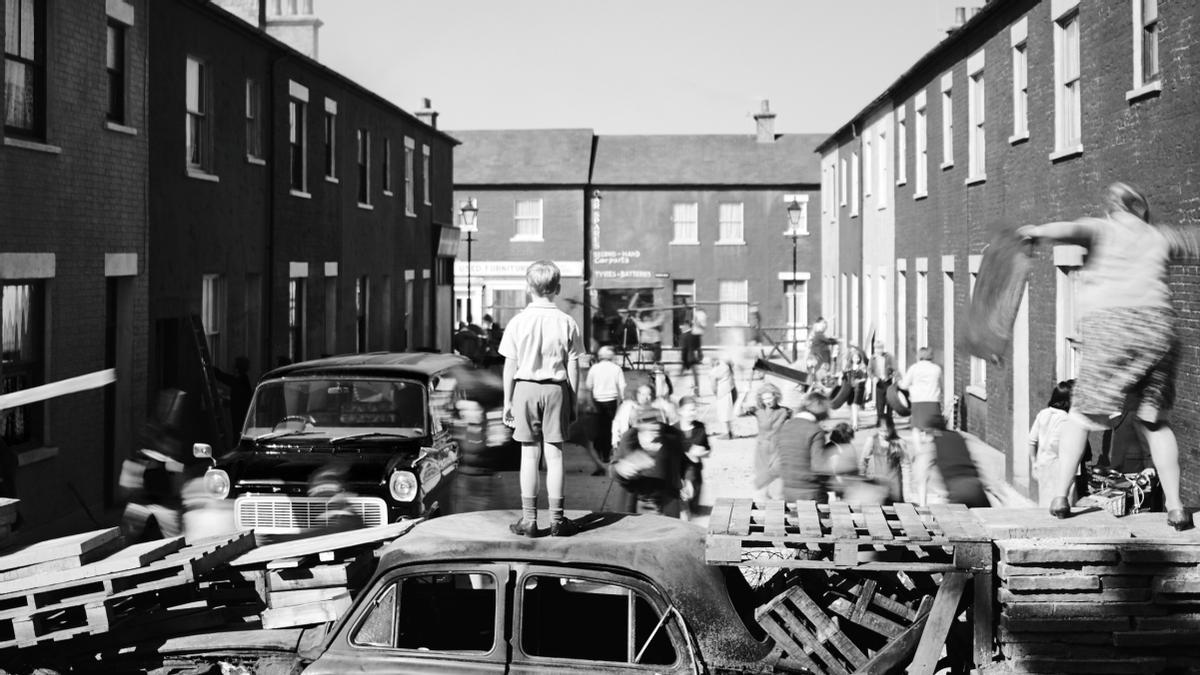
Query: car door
{"x": 573, "y": 620}
{"x": 446, "y": 618}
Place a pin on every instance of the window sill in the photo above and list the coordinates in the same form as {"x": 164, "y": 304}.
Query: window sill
{"x": 32, "y": 145}
{"x": 332, "y": 179}
{"x": 976, "y": 180}
{"x": 685, "y": 243}
{"x": 730, "y": 242}
{"x": 388, "y": 193}
{"x": 920, "y": 195}
{"x": 203, "y": 175}
{"x": 1066, "y": 153}
{"x": 35, "y": 455}
{"x": 795, "y": 233}
{"x": 120, "y": 128}
{"x": 947, "y": 165}
{"x": 299, "y": 193}
{"x": 882, "y": 206}
{"x": 257, "y": 161}
{"x": 428, "y": 203}
{"x": 1018, "y": 138}
{"x": 1145, "y": 91}
{"x": 518, "y": 239}
{"x": 365, "y": 206}
{"x": 977, "y": 391}
{"x": 413, "y": 214}
{"x": 854, "y": 214}
{"x": 901, "y": 181}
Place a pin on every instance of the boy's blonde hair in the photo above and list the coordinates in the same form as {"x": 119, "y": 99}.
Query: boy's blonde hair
{"x": 543, "y": 278}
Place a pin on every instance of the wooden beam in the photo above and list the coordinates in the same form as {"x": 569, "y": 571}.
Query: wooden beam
{"x": 325, "y": 542}
{"x": 941, "y": 616}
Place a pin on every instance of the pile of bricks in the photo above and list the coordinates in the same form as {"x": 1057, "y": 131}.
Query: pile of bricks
{"x": 1118, "y": 606}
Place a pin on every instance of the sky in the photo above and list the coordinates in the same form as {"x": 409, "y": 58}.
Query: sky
{"x": 631, "y": 66}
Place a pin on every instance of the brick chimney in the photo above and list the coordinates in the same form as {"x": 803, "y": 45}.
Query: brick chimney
{"x": 293, "y": 23}
{"x": 764, "y": 121}
{"x": 427, "y": 114}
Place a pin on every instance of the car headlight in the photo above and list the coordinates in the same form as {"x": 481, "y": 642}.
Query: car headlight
{"x": 403, "y": 486}
{"x": 216, "y": 483}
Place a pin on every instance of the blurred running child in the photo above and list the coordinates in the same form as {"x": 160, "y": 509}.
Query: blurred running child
{"x": 696, "y": 448}
{"x": 606, "y": 382}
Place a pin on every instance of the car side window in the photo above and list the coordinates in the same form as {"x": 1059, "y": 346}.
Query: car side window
{"x": 623, "y": 625}
{"x": 443, "y": 612}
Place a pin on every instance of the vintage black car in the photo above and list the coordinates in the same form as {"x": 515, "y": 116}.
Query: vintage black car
{"x": 378, "y": 424}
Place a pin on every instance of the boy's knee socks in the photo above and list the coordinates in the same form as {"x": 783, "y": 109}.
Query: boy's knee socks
{"x": 529, "y": 508}
{"x": 556, "y": 509}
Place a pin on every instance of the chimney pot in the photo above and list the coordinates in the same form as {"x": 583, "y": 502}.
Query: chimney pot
{"x": 765, "y": 123}
{"x": 960, "y": 16}
{"x": 427, "y": 114}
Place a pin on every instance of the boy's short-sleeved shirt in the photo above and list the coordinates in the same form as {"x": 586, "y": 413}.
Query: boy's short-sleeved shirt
{"x": 542, "y": 339}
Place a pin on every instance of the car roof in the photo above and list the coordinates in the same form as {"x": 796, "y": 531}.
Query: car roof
{"x": 667, "y": 551}
{"x": 421, "y": 364}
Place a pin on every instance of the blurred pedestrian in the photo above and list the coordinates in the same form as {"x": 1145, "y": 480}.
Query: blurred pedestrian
{"x": 493, "y": 333}
{"x": 1044, "y": 437}
{"x": 856, "y": 374}
{"x": 696, "y": 448}
{"x": 770, "y": 416}
{"x": 724, "y": 394}
{"x": 801, "y": 464}
{"x": 645, "y": 402}
{"x": 1127, "y": 327}
{"x": 330, "y": 484}
{"x": 883, "y": 370}
{"x": 649, "y": 460}
{"x": 964, "y": 485}
{"x": 923, "y": 382}
{"x": 884, "y": 460}
{"x": 152, "y": 478}
{"x": 690, "y": 354}
{"x": 649, "y": 326}
{"x": 466, "y": 342}
{"x": 606, "y": 382}
{"x": 541, "y": 349}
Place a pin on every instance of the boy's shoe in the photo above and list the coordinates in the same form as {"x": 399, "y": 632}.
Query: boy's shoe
{"x": 1179, "y": 519}
{"x": 525, "y": 528}
{"x": 1060, "y": 508}
{"x": 563, "y": 528}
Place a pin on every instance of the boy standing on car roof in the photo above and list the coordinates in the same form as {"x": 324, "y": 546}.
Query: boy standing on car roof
{"x": 541, "y": 349}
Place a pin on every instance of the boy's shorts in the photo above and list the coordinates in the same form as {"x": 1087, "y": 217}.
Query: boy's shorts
{"x": 543, "y": 411}
{"x": 1128, "y": 362}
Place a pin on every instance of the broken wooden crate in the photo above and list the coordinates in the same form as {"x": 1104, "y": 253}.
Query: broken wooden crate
{"x": 313, "y": 580}
{"x": 72, "y": 597}
{"x": 1131, "y": 605}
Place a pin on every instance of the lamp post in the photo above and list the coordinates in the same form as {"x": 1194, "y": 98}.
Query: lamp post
{"x": 467, "y": 213}
{"x": 794, "y": 212}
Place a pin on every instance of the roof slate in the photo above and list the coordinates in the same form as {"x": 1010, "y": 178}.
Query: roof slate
{"x": 707, "y": 160}
{"x": 523, "y": 157}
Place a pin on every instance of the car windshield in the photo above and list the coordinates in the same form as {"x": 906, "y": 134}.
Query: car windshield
{"x": 337, "y": 406}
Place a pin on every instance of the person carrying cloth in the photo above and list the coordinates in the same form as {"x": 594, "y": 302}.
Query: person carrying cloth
{"x": 1127, "y": 328}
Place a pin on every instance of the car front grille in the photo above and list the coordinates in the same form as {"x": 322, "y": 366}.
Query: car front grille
{"x": 281, "y": 514}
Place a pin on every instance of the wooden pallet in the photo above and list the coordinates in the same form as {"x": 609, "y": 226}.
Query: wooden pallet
{"x": 90, "y": 603}
{"x": 903, "y": 537}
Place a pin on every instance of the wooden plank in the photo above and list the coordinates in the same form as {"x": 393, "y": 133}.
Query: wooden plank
{"x": 286, "y": 563}
{"x": 827, "y": 630}
{"x": 325, "y": 542}
{"x": 133, "y": 557}
{"x": 774, "y": 512}
{"x": 811, "y": 644}
{"x": 947, "y": 516}
{"x": 895, "y": 652}
{"x": 718, "y": 520}
{"x": 941, "y": 616}
{"x": 739, "y": 520}
{"x": 311, "y": 613}
{"x": 866, "y": 593}
{"x": 60, "y": 564}
{"x": 774, "y": 627}
{"x": 276, "y": 599}
{"x": 842, "y": 521}
{"x": 62, "y": 547}
{"x": 1066, "y": 610}
{"x": 808, "y": 519}
{"x": 845, "y": 554}
{"x": 983, "y": 618}
{"x": 877, "y": 524}
{"x": 851, "y": 554}
{"x": 869, "y": 620}
{"x": 1063, "y": 582}
{"x": 914, "y": 528}
{"x": 319, "y": 576}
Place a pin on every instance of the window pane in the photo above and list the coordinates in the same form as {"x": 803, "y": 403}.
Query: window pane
{"x": 731, "y": 222}
{"x": 447, "y": 612}
{"x": 12, "y": 36}
{"x": 609, "y": 609}
{"x": 28, "y": 29}
{"x": 1149, "y": 11}
{"x": 21, "y": 349}
{"x": 1150, "y": 52}
{"x": 378, "y": 629}
{"x": 21, "y": 92}
{"x": 193, "y": 85}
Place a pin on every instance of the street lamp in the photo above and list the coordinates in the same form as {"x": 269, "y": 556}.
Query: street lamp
{"x": 467, "y": 212}
{"x": 794, "y": 212}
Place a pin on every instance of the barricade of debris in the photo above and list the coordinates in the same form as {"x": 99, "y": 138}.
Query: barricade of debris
{"x": 76, "y": 599}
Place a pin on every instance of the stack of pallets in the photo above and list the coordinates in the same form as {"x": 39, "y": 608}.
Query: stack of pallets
{"x": 865, "y": 587}
{"x": 1118, "y": 606}
{"x": 87, "y": 584}
{"x": 313, "y": 580}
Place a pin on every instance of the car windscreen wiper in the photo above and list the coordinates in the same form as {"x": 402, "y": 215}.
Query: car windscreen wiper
{"x": 280, "y": 434}
{"x": 366, "y": 434}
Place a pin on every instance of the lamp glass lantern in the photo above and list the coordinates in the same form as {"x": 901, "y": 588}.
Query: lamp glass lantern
{"x": 794, "y": 212}
{"x": 468, "y": 212}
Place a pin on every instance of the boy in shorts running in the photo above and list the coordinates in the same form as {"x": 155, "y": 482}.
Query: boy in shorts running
{"x": 1129, "y": 351}
{"x": 541, "y": 349}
